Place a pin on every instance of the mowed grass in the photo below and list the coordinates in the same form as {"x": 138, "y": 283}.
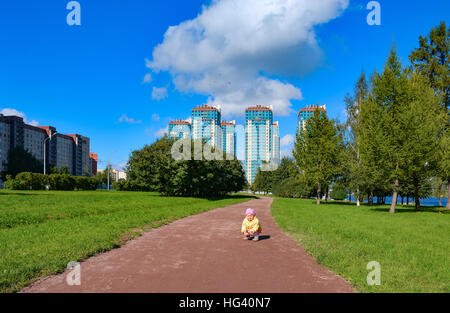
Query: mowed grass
{"x": 42, "y": 231}
{"x": 413, "y": 248}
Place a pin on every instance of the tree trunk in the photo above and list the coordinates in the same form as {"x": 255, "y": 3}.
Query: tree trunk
{"x": 448, "y": 195}
{"x": 416, "y": 194}
{"x": 402, "y": 200}
{"x": 371, "y": 198}
{"x": 319, "y": 190}
{"x": 357, "y": 197}
{"x": 326, "y": 195}
{"x": 440, "y": 201}
{"x": 417, "y": 204}
{"x": 407, "y": 200}
{"x": 394, "y": 197}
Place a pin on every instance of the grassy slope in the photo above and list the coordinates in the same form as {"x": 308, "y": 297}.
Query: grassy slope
{"x": 41, "y": 232}
{"x": 412, "y": 248}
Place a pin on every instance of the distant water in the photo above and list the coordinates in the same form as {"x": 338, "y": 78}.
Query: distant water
{"x": 424, "y": 202}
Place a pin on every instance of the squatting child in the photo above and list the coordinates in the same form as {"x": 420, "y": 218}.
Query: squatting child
{"x": 251, "y": 228}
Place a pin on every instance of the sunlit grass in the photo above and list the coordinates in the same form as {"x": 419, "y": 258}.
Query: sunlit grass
{"x": 41, "y": 232}
{"x": 412, "y": 248}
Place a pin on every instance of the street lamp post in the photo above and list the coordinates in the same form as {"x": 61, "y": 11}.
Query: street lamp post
{"x": 45, "y": 154}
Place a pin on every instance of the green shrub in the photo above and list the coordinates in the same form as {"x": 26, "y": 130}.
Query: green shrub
{"x": 31, "y": 181}
{"x": 85, "y": 183}
{"x": 13, "y": 184}
{"x": 61, "y": 182}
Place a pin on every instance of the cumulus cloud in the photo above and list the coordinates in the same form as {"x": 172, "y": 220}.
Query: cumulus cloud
{"x": 14, "y": 112}
{"x": 238, "y": 51}
{"x": 161, "y": 132}
{"x": 287, "y": 140}
{"x": 159, "y": 93}
{"x": 147, "y": 78}
{"x": 125, "y": 119}
{"x": 286, "y": 153}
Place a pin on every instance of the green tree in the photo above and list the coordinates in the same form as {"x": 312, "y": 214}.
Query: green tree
{"x": 318, "y": 151}
{"x": 64, "y": 170}
{"x": 389, "y": 95}
{"x": 353, "y": 166}
{"x": 432, "y": 60}
{"x": 422, "y": 121}
{"x": 154, "y": 168}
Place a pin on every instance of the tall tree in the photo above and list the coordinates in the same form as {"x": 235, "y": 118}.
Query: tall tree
{"x": 352, "y": 135}
{"x": 422, "y": 122}
{"x": 318, "y": 151}
{"x": 432, "y": 60}
{"x": 389, "y": 94}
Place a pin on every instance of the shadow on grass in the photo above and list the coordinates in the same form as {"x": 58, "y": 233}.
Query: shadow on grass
{"x": 2, "y": 193}
{"x": 229, "y": 197}
{"x": 399, "y": 209}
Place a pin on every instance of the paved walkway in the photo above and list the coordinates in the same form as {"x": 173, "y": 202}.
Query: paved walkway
{"x": 204, "y": 253}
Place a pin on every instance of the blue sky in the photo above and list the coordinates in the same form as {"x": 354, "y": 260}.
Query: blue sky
{"x": 89, "y": 79}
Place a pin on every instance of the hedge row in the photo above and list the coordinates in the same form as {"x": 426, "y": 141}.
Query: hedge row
{"x": 37, "y": 181}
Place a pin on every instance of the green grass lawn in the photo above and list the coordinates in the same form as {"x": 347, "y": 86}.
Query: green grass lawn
{"x": 42, "y": 231}
{"x": 412, "y": 248}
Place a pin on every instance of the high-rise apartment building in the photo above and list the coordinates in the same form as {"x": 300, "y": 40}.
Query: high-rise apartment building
{"x": 206, "y": 124}
{"x": 276, "y": 142}
{"x": 306, "y": 113}
{"x": 229, "y": 137}
{"x": 260, "y": 134}
{"x": 180, "y": 129}
{"x": 61, "y": 150}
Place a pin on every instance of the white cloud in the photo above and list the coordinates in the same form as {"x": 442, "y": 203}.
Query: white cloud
{"x": 159, "y": 93}
{"x": 286, "y": 153}
{"x": 155, "y": 117}
{"x": 147, "y": 78}
{"x": 287, "y": 140}
{"x": 125, "y": 119}
{"x": 230, "y": 50}
{"x": 162, "y": 132}
{"x": 14, "y": 112}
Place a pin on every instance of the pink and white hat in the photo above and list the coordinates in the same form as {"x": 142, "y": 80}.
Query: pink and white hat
{"x": 250, "y": 211}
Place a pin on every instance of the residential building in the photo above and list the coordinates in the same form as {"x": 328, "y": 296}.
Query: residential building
{"x": 179, "y": 129}
{"x": 93, "y": 157}
{"x": 306, "y": 113}
{"x": 115, "y": 175}
{"x": 61, "y": 150}
{"x": 276, "y": 142}
{"x": 229, "y": 137}
{"x": 259, "y": 139}
{"x": 206, "y": 124}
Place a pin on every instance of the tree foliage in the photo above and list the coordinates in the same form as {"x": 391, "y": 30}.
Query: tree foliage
{"x": 318, "y": 152}
{"x": 153, "y": 168}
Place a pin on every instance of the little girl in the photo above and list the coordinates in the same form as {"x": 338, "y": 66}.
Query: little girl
{"x": 251, "y": 226}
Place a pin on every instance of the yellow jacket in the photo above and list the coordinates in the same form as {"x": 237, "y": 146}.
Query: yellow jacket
{"x": 251, "y": 226}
